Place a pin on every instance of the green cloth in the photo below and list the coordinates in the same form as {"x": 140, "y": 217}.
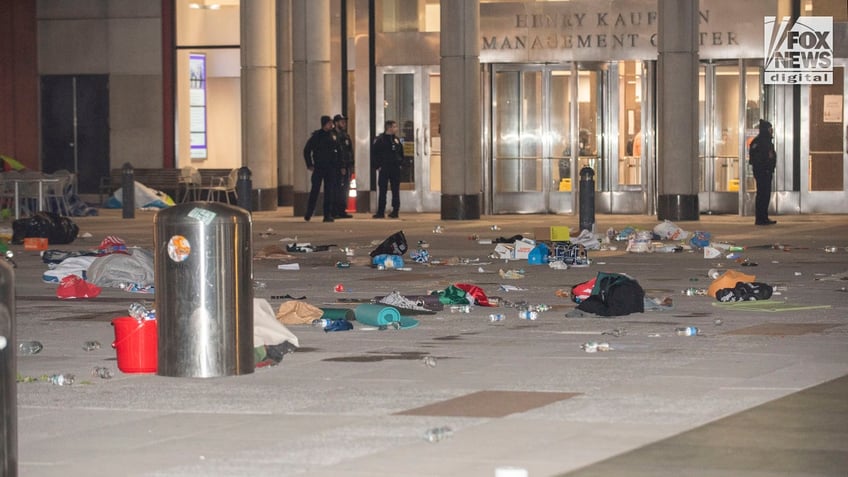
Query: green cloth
{"x": 453, "y": 296}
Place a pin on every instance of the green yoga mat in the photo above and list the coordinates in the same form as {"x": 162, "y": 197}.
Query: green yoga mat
{"x": 382, "y": 315}
{"x": 338, "y": 314}
{"x": 767, "y": 305}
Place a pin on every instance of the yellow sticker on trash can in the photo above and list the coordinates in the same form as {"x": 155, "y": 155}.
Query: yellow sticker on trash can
{"x": 179, "y": 248}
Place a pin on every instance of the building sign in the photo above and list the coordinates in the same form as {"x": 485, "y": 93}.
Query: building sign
{"x": 798, "y": 51}
{"x": 592, "y": 30}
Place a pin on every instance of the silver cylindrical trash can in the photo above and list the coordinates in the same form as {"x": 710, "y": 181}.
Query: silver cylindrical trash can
{"x": 204, "y": 290}
{"x": 8, "y": 373}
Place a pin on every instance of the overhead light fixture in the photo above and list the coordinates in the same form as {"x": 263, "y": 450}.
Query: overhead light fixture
{"x": 204, "y": 6}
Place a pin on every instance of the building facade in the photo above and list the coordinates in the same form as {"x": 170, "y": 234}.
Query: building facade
{"x": 501, "y": 104}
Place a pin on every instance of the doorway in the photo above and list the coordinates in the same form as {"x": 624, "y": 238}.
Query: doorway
{"x": 825, "y": 152}
{"x": 412, "y": 97}
{"x": 75, "y": 128}
{"x": 540, "y": 111}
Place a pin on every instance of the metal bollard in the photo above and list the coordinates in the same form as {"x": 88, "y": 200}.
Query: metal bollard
{"x": 587, "y": 199}
{"x": 244, "y": 188}
{"x": 204, "y": 290}
{"x": 8, "y": 376}
{"x": 128, "y": 191}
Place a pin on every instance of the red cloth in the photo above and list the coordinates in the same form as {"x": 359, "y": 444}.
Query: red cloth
{"x": 112, "y": 244}
{"x": 475, "y": 292}
{"x": 582, "y": 291}
{"x": 73, "y": 286}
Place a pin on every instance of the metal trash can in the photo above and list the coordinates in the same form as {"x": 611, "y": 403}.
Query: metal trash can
{"x": 204, "y": 290}
{"x": 8, "y": 373}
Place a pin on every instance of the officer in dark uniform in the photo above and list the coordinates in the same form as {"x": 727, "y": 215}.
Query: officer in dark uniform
{"x": 321, "y": 154}
{"x": 346, "y": 159}
{"x": 387, "y": 156}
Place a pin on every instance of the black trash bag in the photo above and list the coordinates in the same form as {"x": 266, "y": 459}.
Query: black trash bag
{"x": 394, "y": 245}
{"x": 55, "y": 228}
{"x": 614, "y": 294}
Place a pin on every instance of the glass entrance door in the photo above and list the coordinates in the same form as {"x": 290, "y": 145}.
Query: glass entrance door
{"x": 532, "y": 160}
{"x": 825, "y": 153}
{"x": 412, "y": 96}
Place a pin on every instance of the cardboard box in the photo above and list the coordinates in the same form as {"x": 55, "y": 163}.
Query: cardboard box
{"x": 35, "y": 244}
{"x": 554, "y": 233}
{"x": 523, "y": 248}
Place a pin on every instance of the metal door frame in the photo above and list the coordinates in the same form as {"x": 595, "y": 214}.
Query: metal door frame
{"x": 420, "y": 198}
{"x": 547, "y": 198}
{"x": 831, "y": 202}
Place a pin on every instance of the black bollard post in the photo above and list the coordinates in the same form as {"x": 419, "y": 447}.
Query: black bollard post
{"x": 244, "y": 189}
{"x": 128, "y": 191}
{"x": 587, "y": 199}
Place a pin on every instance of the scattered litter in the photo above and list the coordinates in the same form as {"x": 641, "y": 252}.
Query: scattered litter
{"x": 429, "y": 361}
{"x": 511, "y": 274}
{"x": 437, "y": 434}
{"x": 509, "y": 288}
{"x": 339, "y": 288}
{"x": 594, "y": 346}
{"x": 288, "y": 266}
{"x": 617, "y": 332}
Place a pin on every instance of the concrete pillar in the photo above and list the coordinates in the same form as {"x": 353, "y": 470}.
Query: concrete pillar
{"x": 677, "y": 110}
{"x": 259, "y": 99}
{"x": 460, "y": 110}
{"x": 311, "y": 84}
{"x": 285, "y": 119}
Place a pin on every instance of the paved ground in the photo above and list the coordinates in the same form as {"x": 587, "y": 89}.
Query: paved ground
{"x": 760, "y": 393}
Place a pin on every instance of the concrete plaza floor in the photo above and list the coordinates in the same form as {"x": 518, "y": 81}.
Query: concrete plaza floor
{"x": 761, "y": 392}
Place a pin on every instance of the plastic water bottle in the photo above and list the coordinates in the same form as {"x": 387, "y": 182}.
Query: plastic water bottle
{"x": 321, "y": 323}
{"x": 429, "y": 361}
{"x": 687, "y": 331}
{"x": 460, "y": 309}
{"x": 528, "y": 315}
{"x": 437, "y": 434}
{"x": 61, "y": 379}
{"x": 30, "y": 347}
{"x": 91, "y": 345}
{"x": 496, "y": 317}
{"x": 139, "y": 311}
{"x": 102, "y": 372}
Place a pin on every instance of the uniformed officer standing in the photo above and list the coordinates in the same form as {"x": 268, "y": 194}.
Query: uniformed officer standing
{"x": 387, "y": 154}
{"x": 321, "y": 154}
{"x": 347, "y": 162}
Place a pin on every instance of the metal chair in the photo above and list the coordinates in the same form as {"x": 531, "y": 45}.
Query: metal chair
{"x": 191, "y": 182}
{"x": 223, "y": 185}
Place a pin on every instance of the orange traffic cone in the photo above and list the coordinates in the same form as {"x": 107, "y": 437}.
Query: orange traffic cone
{"x": 351, "y": 195}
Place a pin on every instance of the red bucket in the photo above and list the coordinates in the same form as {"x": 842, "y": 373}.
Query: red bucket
{"x": 136, "y": 344}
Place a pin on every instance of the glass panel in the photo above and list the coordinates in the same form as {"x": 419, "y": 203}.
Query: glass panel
{"x": 531, "y": 132}
{"x": 560, "y": 128}
{"x": 399, "y": 105}
{"x": 518, "y": 131}
{"x": 753, "y": 108}
{"x": 435, "y": 134}
{"x": 588, "y": 112}
{"x": 827, "y": 123}
{"x": 630, "y": 123}
{"x": 726, "y": 128}
{"x": 506, "y": 130}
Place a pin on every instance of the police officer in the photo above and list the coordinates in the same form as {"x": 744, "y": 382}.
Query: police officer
{"x": 321, "y": 154}
{"x": 346, "y": 159}
{"x": 762, "y": 156}
{"x": 387, "y": 156}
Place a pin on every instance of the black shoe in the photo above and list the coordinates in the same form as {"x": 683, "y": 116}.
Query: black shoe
{"x": 307, "y": 217}
{"x": 329, "y": 219}
{"x": 766, "y": 222}
{"x": 378, "y": 216}
{"x": 394, "y": 215}
{"x": 344, "y": 216}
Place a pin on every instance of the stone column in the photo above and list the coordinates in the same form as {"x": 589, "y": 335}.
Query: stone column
{"x": 460, "y": 110}
{"x": 285, "y": 119}
{"x": 677, "y": 110}
{"x": 259, "y": 99}
{"x": 311, "y": 85}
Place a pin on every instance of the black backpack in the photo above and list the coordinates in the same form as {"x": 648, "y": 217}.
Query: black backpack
{"x": 614, "y": 294}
